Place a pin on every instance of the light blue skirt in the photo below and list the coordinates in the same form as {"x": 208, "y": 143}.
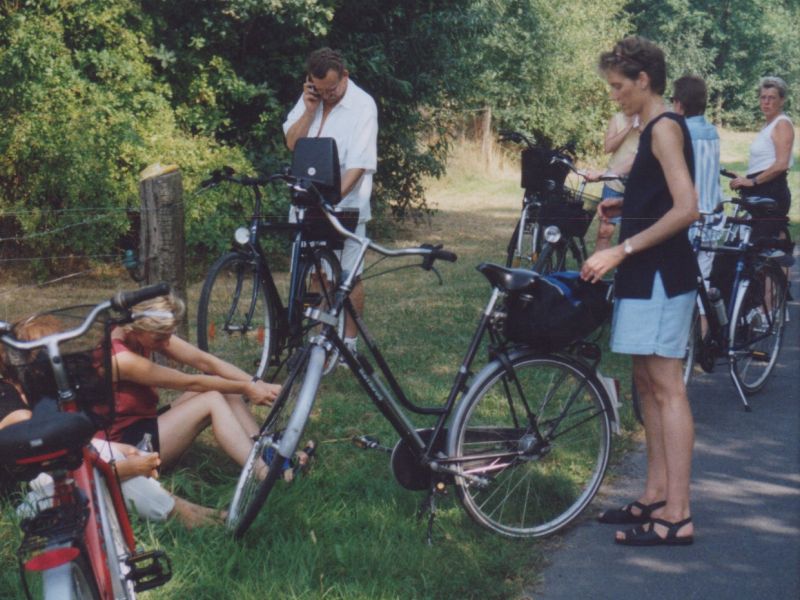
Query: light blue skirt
{"x": 656, "y": 325}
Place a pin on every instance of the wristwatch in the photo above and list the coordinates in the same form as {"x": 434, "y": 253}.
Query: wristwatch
{"x": 628, "y": 248}
{"x": 753, "y": 178}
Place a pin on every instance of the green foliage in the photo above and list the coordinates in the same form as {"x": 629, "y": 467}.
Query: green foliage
{"x": 538, "y": 70}
{"x": 82, "y": 116}
{"x": 731, "y": 43}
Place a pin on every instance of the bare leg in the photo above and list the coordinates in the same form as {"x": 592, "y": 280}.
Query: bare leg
{"x": 357, "y": 298}
{"x": 669, "y": 429}
{"x": 242, "y": 413}
{"x": 179, "y": 426}
{"x": 193, "y": 515}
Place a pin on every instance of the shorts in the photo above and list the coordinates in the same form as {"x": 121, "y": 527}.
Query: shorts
{"x": 612, "y": 193}
{"x": 349, "y": 254}
{"x": 134, "y": 432}
{"x": 656, "y": 325}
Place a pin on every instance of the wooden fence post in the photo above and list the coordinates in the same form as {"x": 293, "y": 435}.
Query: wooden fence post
{"x": 162, "y": 249}
{"x": 487, "y": 143}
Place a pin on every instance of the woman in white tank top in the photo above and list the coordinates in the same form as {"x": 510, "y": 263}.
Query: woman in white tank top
{"x": 770, "y": 154}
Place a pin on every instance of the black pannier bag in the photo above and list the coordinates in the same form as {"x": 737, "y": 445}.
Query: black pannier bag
{"x": 317, "y": 161}
{"x": 557, "y": 310}
{"x": 539, "y": 173}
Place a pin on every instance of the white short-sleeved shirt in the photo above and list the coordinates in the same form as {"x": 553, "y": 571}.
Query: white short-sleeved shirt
{"x": 353, "y": 123}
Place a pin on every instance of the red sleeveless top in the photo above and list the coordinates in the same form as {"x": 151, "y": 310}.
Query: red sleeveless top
{"x": 133, "y": 401}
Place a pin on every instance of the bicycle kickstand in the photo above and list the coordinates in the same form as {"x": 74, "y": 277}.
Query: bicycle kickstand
{"x": 739, "y": 389}
{"x": 428, "y": 506}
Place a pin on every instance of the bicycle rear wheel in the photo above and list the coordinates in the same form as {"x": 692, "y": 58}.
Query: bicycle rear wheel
{"x": 757, "y": 327}
{"x": 531, "y": 444}
{"x": 321, "y": 276}
{"x": 235, "y": 318}
{"x": 280, "y": 432}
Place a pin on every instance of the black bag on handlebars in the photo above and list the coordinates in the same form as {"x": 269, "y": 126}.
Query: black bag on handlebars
{"x": 316, "y": 160}
{"x": 319, "y": 229}
{"x": 539, "y": 173}
{"x": 557, "y": 310}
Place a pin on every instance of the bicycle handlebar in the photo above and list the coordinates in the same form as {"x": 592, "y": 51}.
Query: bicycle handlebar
{"x": 228, "y": 174}
{"x": 728, "y": 174}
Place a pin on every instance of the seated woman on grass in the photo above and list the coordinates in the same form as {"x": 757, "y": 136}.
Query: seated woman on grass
{"x": 135, "y": 469}
{"x": 213, "y": 397}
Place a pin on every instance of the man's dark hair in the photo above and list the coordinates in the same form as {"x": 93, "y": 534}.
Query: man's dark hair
{"x": 633, "y": 55}
{"x": 323, "y": 60}
{"x": 691, "y": 92}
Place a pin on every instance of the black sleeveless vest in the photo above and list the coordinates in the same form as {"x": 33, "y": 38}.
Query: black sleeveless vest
{"x": 647, "y": 199}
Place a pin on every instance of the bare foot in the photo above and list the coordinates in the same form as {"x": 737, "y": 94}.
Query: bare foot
{"x": 193, "y": 515}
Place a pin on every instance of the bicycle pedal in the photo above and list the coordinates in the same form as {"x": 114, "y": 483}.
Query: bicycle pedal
{"x": 149, "y": 569}
{"x": 759, "y": 356}
{"x": 367, "y": 442}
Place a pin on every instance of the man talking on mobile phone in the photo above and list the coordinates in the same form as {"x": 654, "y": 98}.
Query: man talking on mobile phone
{"x": 332, "y": 105}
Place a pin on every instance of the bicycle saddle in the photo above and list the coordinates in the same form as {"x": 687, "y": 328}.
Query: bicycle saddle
{"x": 510, "y": 280}
{"x": 759, "y": 206}
{"x": 49, "y": 440}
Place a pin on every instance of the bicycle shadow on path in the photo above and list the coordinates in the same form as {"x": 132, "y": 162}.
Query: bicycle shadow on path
{"x": 745, "y": 502}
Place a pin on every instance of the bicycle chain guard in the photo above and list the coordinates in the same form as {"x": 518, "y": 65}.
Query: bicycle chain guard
{"x": 407, "y": 469}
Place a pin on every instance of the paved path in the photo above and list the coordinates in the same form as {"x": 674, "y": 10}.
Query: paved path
{"x": 745, "y": 501}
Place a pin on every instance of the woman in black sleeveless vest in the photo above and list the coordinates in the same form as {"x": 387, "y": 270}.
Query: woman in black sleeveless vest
{"x": 654, "y": 288}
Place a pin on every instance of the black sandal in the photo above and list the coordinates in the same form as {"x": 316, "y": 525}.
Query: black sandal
{"x": 625, "y": 516}
{"x": 639, "y": 536}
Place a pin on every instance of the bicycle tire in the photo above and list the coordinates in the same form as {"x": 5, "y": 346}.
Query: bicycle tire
{"x": 71, "y": 581}
{"x": 532, "y": 487}
{"x": 251, "y": 493}
{"x": 310, "y": 293}
{"x": 235, "y": 319}
{"x": 757, "y": 327}
{"x": 115, "y": 547}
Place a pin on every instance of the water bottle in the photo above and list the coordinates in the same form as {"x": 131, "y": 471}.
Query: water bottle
{"x": 717, "y": 303}
{"x": 146, "y": 444}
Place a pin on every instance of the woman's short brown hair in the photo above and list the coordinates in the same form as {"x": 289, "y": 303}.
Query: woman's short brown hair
{"x": 633, "y": 55}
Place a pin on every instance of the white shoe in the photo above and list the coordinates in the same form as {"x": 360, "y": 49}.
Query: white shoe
{"x": 352, "y": 345}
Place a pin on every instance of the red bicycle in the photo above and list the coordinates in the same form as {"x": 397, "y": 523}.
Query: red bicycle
{"x": 78, "y": 536}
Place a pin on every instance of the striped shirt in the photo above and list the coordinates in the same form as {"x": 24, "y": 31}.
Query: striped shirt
{"x": 705, "y": 143}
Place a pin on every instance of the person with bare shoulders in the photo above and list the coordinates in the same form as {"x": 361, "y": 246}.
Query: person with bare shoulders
{"x": 654, "y": 289}
{"x": 771, "y": 157}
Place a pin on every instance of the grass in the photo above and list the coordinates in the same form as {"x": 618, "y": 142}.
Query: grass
{"x": 347, "y": 529}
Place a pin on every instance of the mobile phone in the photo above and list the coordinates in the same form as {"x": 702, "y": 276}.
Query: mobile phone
{"x": 311, "y": 87}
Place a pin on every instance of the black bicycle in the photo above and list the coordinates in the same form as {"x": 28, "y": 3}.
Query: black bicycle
{"x": 554, "y": 218}
{"x": 241, "y": 316}
{"x": 745, "y": 315}
{"x": 526, "y": 440}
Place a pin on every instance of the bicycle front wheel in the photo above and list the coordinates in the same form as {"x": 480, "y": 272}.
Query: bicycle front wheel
{"x": 277, "y": 439}
{"x": 321, "y": 276}
{"x": 531, "y": 444}
{"x": 757, "y": 328}
{"x": 235, "y": 318}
